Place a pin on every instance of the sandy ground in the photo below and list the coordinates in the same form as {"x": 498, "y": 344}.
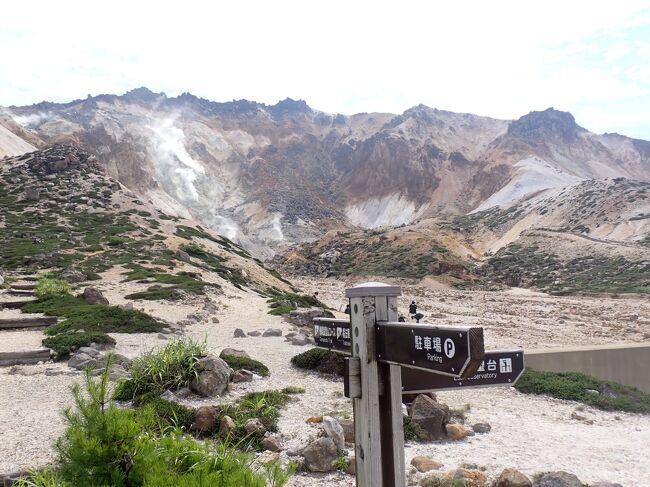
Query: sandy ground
{"x": 530, "y": 433}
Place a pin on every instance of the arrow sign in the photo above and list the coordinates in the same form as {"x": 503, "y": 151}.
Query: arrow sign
{"x": 498, "y": 368}
{"x": 446, "y": 350}
{"x": 333, "y": 334}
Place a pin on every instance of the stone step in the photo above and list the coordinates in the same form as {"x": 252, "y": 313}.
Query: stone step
{"x": 23, "y": 286}
{"x": 9, "y": 323}
{"x": 9, "y": 479}
{"x": 27, "y": 278}
{"x": 19, "y": 292}
{"x": 15, "y": 304}
{"x": 26, "y": 357}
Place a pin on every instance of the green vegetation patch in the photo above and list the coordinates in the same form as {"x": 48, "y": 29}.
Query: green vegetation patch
{"x": 216, "y": 264}
{"x": 64, "y": 343}
{"x": 238, "y": 363}
{"x": 320, "y": 360}
{"x": 168, "y": 368}
{"x": 189, "y": 282}
{"x": 283, "y": 303}
{"x": 574, "y": 386}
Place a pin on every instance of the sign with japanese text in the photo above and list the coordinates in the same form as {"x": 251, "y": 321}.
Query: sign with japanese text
{"x": 333, "y": 334}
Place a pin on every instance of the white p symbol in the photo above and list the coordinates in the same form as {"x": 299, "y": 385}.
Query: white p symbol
{"x": 450, "y": 348}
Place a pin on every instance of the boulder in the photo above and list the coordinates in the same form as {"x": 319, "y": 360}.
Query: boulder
{"x": 304, "y": 316}
{"x": 557, "y": 479}
{"x": 213, "y": 375}
{"x": 425, "y": 464}
{"x": 472, "y": 478}
{"x": 72, "y": 276}
{"x": 92, "y": 295}
{"x": 32, "y": 194}
{"x": 117, "y": 372}
{"x": 227, "y": 426}
{"x": 182, "y": 255}
{"x": 254, "y": 426}
{"x": 89, "y": 351}
{"x": 511, "y": 477}
{"x": 348, "y": 429}
{"x": 81, "y": 361}
{"x": 334, "y": 431}
{"x": 320, "y": 455}
{"x": 205, "y": 419}
{"x": 234, "y": 353}
{"x": 272, "y": 332}
{"x": 239, "y": 333}
{"x": 430, "y": 417}
{"x": 457, "y": 431}
{"x": 254, "y": 333}
{"x": 242, "y": 375}
{"x": 122, "y": 360}
{"x": 481, "y": 428}
{"x": 300, "y": 339}
{"x": 272, "y": 443}
{"x": 351, "y": 466}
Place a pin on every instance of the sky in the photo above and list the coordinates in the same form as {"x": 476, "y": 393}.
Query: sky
{"x": 494, "y": 58}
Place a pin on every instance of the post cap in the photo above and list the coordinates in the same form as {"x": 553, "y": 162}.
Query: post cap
{"x": 373, "y": 289}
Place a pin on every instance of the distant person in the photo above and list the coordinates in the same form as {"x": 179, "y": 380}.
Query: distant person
{"x": 315, "y": 295}
{"x": 413, "y": 309}
{"x": 401, "y": 319}
{"x": 418, "y": 317}
{"x": 347, "y": 309}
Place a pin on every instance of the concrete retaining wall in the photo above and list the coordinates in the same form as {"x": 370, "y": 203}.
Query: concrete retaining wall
{"x": 627, "y": 364}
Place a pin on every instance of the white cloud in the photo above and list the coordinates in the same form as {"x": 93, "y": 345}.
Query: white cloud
{"x": 499, "y": 59}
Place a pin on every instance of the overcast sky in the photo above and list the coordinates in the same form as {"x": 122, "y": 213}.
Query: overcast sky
{"x": 495, "y": 58}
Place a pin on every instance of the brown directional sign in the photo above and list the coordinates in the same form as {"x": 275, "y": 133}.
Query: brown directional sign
{"x": 498, "y": 368}
{"x": 333, "y": 334}
{"x": 446, "y": 350}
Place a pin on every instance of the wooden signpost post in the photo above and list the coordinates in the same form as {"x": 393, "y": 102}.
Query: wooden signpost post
{"x": 388, "y": 358}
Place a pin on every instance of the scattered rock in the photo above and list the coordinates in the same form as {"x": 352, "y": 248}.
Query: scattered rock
{"x": 472, "y": 478}
{"x": 254, "y": 426}
{"x": 182, "y": 256}
{"x": 334, "y": 431}
{"x": 239, "y": 333}
{"x": 162, "y": 336}
{"x": 81, "y": 361}
{"x": 272, "y": 332}
{"x": 320, "y": 455}
{"x": 206, "y": 418}
{"x": 300, "y": 340}
{"x": 482, "y": 428}
{"x": 511, "y": 477}
{"x": 254, "y": 333}
{"x": 348, "y": 429}
{"x": 72, "y": 276}
{"x": 272, "y": 443}
{"x": 593, "y": 392}
{"x": 92, "y": 295}
{"x": 425, "y": 464}
{"x": 314, "y": 419}
{"x": 32, "y": 194}
{"x": 351, "y": 466}
{"x": 117, "y": 372}
{"x": 456, "y": 431}
{"x": 430, "y": 417}
{"x": 557, "y": 479}
{"x": 233, "y": 352}
{"x": 169, "y": 396}
{"x": 242, "y": 375}
{"x": 89, "y": 351}
{"x": 213, "y": 376}
{"x": 227, "y": 426}
{"x": 215, "y": 320}
{"x": 304, "y": 316}
{"x": 122, "y": 360}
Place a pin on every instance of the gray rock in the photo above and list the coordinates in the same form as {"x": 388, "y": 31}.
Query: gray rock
{"x": 481, "y": 428}
{"x": 212, "y": 378}
{"x": 320, "y": 455}
{"x": 121, "y": 360}
{"x": 92, "y": 295}
{"x": 272, "y": 443}
{"x": 272, "y": 332}
{"x": 72, "y": 276}
{"x": 431, "y": 417}
{"x": 89, "y": 351}
{"x": 205, "y": 419}
{"x": 334, "y": 431}
{"x": 162, "y": 336}
{"x": 81, "y": 361}
{"x": 127, "y": 306}
{"x": 605, "y": 484}
{"x": 239, "y": 333}
{"x": 254, "y": 333}
{"x": 178, "y": 294}
{"x": 557, "y": 479}
{"x": 254, "y": 426}
{"x": 169, "y": 396}
{"x": 117, "y": 372}
{"x": 300, "y": 340}
{"x": 182, "y": 256}
{"x": 32, "y": 194}
{"x": 234, "y": 352}
{"x": 304, "y": 317}
{"x": 227, "y": 426}
{"x": 242, "y": 375}
{"x": 294, "y": 452}
{"x": 348, "y": 429}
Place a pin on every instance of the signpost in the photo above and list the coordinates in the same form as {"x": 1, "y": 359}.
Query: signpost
{"x": 390, "y": 358}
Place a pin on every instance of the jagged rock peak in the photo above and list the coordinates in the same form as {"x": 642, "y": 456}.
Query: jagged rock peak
{"x": 537, "y": 126}
{"x": 290, "y": 106}
{"x": 142, "y": 94}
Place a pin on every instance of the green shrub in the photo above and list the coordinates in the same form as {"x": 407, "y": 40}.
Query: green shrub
{"x": 411, "y": 430}
{"x": 285, "y": 309}
{"x": 114, "y": 240}
{"x": 321, "y": 360}
{"x": 64, "y": 343}
{"x": 171, "y": 413}
{"x": 293, "y": 390}
{"x": 48, "y": 287}
{"x": 574, "y": 386}
{"x": 237, "y": 363}
{"x": 169, "y": 367}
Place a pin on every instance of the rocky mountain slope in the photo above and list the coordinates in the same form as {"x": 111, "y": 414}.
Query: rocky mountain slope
{"x": 267, "y": 175}
{"x": 59, "y": 212}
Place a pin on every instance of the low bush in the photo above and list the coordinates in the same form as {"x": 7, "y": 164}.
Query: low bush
{"x": 320, "y": 360}
{"x": 237, "y": 363}
{"x": 48, "y": 287}
{"x": 574, "y": 386}
{"x": 171, "y": 413}
{"x": 283, "y": 303}
{"x": 170, "y": 367}
{"x": 64, "y": 343}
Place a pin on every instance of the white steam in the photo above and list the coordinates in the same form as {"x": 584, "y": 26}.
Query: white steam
{"x": 31, "y": 120}
{"x": 173, "y": 161}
